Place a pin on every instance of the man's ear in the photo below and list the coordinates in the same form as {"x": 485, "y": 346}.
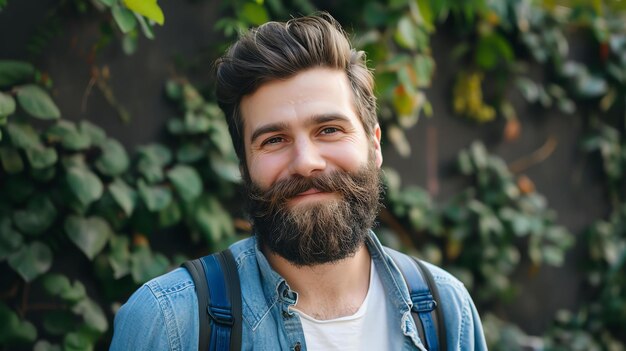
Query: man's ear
{"x": 378, "y": 155}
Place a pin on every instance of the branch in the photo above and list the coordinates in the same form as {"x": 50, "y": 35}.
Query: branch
{"x": 537, "y": 156}
{"x": 12, "y": 292}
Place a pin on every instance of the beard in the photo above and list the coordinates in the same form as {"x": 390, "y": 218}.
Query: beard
{"x": 323, "y": 232}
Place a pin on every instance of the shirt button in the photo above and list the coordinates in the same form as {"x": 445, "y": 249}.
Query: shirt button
{"x": 286, "y": 315}
{"x": 297, "y": 347}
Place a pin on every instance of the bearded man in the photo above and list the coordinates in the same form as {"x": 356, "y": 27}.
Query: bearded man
{"x": 301, "y": 110}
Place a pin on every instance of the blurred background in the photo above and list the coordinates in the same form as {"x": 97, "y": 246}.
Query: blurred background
{"x": 503, "y": 122}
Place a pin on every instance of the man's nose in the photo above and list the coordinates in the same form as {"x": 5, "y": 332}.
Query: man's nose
{"x": 307, "y": 159}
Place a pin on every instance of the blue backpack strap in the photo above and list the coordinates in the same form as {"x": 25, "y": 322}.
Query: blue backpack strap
{"x": 196, "y": 270}
{"x": 220, "y": 305}
{"x": 425, "y": 297}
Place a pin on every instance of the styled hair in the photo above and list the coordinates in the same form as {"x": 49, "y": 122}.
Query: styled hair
{"x": 280, "y": 50}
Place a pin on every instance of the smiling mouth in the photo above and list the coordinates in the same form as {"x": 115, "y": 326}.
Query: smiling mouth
{"x": 311, "y": 195}
{"x": 310, "y": 192}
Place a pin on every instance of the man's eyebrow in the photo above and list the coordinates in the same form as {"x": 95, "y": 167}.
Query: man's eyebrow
{"x": 327, "y": 117}
{"x": 313, "y": 120}
{"x": 268, "y": 128}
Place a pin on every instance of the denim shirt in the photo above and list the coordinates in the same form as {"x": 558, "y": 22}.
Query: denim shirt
{"x": 163, "y": 313}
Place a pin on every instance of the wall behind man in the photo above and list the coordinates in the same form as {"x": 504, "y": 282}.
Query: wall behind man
{"x": 185, "y": 46}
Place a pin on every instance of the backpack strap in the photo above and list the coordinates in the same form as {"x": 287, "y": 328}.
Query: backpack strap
{"x": 424, "y": 294}
{"x": 219, "y": 301}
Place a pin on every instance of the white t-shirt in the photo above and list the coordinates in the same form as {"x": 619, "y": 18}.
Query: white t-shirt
{"x": 367, "y": 329}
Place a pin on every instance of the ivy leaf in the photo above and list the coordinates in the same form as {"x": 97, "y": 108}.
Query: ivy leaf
{"x": 196, "y": 123}
{"x": 221, "y": 137}
{"x": 10, "y": 239}
{"x": 591, "y": 86}
{"x": 190, "y": 152}
{"x": 84, "y": 184}
{"x": 479, "y": 155}
{"x": 491, "y": 49}
{"x": 156, "y": 153}
{"x": 15, "y": 72}
{"x": 399, "y": 140}
{"x": 528, "y": 88}
{"x": 41, "y": 157}
{"x": 43, "y": 345}
{"x": 148, "y": 8}
{"x": 145, "y": 265}
{"x": 13, "y": 329}
{"x": 427, "y": 14}
{"x": 170, "y": 215}
{"x": 38, "y": 216}
{"x": 69, "y": 136}
{"x": 226, "y": 168}
{"x": 31, "y": 260}
{"x": 153, "y": 158}
{"x": 59, "y": 285}
{"x": 58, "y": 323}
{"x": 114, "y": 160}
{"x": 375, "y": 14}
{"x": 186, "y": 181}
{"x": 108, "y": 3}
{"x": 54, "y": 284}
{"x": 119, "y": 259}
{"x": 37, "y": 102}
{"x": 11, "y": 160}
{"x": 212, "y": 219}
{"x": 95, "y": 133}
{"x": 92, "y": 314}
{"x": 23, "y": 135}
{"x": 89, "y": 234}
{"x": 76, "y": 341}
{"x": 156, "y": 198}
{"x": 124, "y": 195}
{"x": 145, "y": 28}
{"x": 405, "y": 34}
{"x": 424, "y": 67}
{"x": 124, "y": 18}
{"x": 130, "y": 42}
{"x": 173, "y": 90}
{"x": 7, "y": 104}
{"x": 254, "y": 13}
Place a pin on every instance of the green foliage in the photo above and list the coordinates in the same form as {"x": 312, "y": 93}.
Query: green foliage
{"x": 13, "y": 329}
{"x": 479, "y": 231}
{"x": 73, "y": 190}
{"x": 15, "y": 72}
{"x": 606, "y": 245}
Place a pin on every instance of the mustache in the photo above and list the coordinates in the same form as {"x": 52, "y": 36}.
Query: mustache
{"x": 275, "y": 197}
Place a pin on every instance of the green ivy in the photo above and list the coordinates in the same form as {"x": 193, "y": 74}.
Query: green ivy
{"x": 479, "y": 231}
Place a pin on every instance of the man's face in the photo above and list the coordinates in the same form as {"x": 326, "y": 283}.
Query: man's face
{"x": 313, "y": 172}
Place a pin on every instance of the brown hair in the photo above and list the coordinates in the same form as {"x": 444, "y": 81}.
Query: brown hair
{"x": 279, "y": 50}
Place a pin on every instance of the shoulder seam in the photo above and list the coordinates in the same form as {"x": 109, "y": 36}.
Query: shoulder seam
{"x": 173, "y": 336}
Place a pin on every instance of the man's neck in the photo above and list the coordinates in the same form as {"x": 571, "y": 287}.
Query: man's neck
{"x": 329, "y": 290}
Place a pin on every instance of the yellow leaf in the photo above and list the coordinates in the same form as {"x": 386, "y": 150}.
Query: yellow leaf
{"x": 147, "y": 8}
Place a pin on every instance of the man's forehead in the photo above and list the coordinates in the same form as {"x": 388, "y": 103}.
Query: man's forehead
{"x": 314, "y": 94}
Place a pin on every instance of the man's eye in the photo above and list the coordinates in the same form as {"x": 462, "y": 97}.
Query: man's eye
{"x": 273, "y": 140}
{"x": 329, "y": 130}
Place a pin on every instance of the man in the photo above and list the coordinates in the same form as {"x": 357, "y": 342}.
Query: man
{"x": 302, "y": 115}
